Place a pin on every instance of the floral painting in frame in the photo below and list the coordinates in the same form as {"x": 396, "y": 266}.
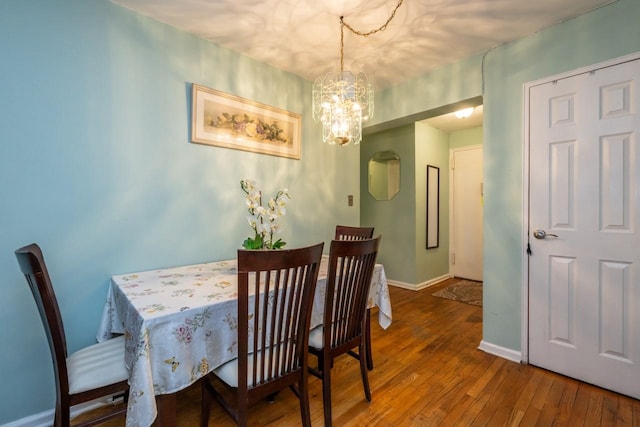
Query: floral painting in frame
{"x": 224, "y": 120}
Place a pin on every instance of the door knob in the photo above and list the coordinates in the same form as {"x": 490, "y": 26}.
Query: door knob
{"x": 541, "y": 234}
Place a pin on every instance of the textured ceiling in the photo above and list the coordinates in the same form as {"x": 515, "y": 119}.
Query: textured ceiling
{"x": 303, "y": 36}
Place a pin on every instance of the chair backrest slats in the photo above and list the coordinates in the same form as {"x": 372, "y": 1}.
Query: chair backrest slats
{"x": 345, "y": 232}
{"x": 275, "y": 295}
{"x": 351, "y": 265}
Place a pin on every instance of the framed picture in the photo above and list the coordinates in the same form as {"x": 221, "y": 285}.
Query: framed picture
{"x": 433, "y": 206}
{"x": 224, "y": 120}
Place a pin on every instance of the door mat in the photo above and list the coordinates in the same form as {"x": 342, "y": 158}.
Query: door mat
{"x": 466, "y": 291}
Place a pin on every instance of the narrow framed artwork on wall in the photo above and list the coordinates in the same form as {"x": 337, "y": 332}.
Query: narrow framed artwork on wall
{"x": 433, "y": 206}
{"x": 225, "y": 120}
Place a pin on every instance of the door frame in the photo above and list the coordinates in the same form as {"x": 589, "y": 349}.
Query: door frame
{"x": 451, "y": 231}
{"x": 524, "y": 345}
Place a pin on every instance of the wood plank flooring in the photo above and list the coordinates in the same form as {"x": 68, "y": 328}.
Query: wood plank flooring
{"x": 429, "y": 372}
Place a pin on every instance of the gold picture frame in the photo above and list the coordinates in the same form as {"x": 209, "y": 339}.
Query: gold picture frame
{"x": 229, "y": 121}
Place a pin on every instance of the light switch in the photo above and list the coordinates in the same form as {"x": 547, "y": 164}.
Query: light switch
{"x": 350, "y": 200}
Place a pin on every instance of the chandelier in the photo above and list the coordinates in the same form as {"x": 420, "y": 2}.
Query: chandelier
{"x": 342, "y": 100}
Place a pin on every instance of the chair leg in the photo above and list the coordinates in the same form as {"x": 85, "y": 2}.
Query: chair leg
{"x": 364, "y": 374}
{"x": 367, "y": 338}
{"x": 206, "y": 404}
{"x": 303, "y": 395}
{"x": 326, "y": 391}
{"x": 243, "y": 415}
{"x": 63, "y": 416}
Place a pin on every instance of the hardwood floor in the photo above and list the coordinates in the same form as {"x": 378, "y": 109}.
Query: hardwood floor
{"x": 429, "y": 372}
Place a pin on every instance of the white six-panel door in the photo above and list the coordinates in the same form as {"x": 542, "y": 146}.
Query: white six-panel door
{"x": 466, "y": 208}
{"x": 584, "y": 184}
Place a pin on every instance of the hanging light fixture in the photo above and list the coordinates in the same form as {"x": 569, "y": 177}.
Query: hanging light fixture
{"x": 342, "y": 100}
{"x": 464, "y": 113}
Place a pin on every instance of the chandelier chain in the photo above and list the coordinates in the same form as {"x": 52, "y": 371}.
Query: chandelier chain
{"x": 341, "y": 44}
{"x": 381, "y": 28}
{"x": 359, "y": 33}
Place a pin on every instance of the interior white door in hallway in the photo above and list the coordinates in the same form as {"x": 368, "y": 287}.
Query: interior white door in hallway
{"x": 466, "y": 208}
{"x": 584, "y": 214}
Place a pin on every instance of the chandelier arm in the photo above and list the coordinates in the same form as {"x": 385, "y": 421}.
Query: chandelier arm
{"x": 381, "y": 28}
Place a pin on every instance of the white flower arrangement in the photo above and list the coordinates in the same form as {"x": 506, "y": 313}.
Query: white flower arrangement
{"x": 264, "y": 221}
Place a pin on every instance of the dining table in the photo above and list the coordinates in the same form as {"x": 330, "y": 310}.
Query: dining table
{"x": 180, "y": 323}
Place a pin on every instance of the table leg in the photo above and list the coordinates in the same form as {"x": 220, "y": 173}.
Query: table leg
{"x": 367, "y": 337}
{"x": 166, "y": 410}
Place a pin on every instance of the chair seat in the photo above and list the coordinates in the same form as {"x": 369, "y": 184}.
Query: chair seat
{"x": 316, "y": 336}
{"x": 229, "y": 371}
{"x": 97, "y": 365}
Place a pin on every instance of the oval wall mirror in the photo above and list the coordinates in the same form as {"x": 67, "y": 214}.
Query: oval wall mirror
{"x": 384, "y": 175}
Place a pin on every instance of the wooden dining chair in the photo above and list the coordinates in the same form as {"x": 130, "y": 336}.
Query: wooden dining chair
{"x": 345, "y": 232}
{"x": 91, "y": 373}
{"x": 275, "y": 299}
{"x": 351, "y": 264}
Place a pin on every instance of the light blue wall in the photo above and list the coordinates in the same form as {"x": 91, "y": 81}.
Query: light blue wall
{"x": 96, "y": 166}
{"x": 393, "y": 218}
{"x": 432, "y": 148}
{"x": 448, "y": 85}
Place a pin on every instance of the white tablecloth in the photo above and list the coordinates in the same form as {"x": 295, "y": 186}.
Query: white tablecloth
{"x": 180, "y": 323}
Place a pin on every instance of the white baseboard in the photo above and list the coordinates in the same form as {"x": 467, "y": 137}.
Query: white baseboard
{"x": 418, "y": 286}
{"x": 505, "y": 353}
{"x": 45, "y": 419}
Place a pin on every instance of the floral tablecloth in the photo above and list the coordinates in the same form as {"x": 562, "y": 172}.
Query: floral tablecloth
{"x": 180, "y": 323}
